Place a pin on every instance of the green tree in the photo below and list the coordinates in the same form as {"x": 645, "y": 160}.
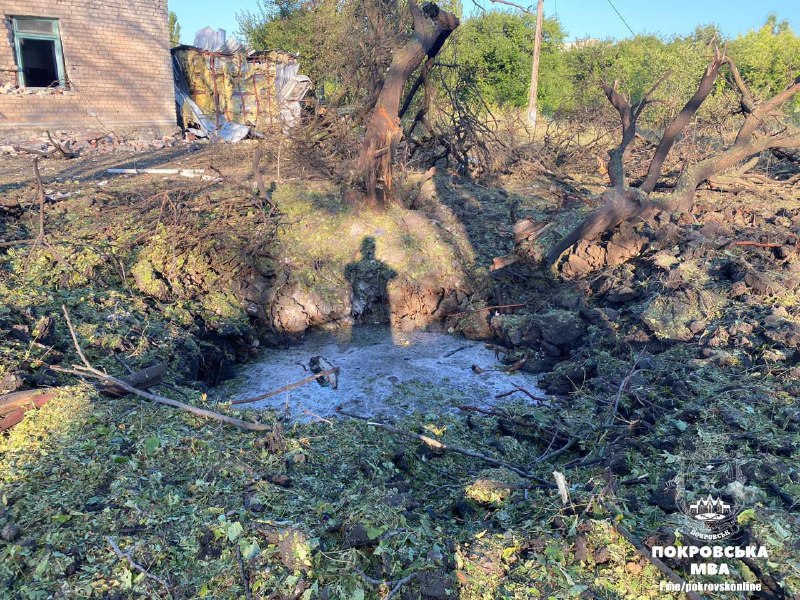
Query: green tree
{"x": 174, "y": 30}
{"x": 278, "y": 24}
{"x": 638, "y": 63}
{"x": 321, "y": 33}
{"x": 768, "y": 58}
{"x": 495, "y": 49}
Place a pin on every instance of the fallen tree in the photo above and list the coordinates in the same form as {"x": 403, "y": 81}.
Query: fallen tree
{"x": 431, "y": 28}
{"x": 623, "y": 202}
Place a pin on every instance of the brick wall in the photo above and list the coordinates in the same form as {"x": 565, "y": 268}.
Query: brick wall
{"x": 117, "y": 62}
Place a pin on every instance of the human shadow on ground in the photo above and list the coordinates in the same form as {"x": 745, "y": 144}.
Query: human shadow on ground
{"x": 369, "y": 281}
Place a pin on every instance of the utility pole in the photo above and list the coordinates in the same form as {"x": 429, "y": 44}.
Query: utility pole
{"x": 537, "y": 48}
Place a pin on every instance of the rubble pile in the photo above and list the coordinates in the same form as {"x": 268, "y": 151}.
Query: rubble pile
{"x": 79, "y": 143}
{"x": 11, "y": 89}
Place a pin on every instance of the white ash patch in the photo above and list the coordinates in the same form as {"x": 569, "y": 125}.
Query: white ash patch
{"x": 383, "y": 374}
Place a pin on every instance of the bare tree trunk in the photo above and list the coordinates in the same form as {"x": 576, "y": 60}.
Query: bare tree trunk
{"x": 681, "y": 121}
{"x": 533, "y": 110}
{"x": 623, "y": 203}
{"x": 682, "y": 198}
{"x": 743, "y": 148}
{"x": 432, "y": 26}
{"x": 619, "y": 205}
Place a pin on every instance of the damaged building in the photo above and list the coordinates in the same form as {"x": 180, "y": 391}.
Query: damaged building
{"x": 85, "y": 65}
{"x": 105, "y": 66}
{"x": 223, "y": 88}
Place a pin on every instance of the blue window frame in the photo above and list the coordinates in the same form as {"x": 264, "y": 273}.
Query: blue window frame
{"x": 40, "y": 58}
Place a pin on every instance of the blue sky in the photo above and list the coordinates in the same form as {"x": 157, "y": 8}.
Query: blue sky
{"x": 581, "y": 18}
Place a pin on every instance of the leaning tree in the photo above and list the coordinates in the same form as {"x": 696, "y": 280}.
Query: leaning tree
{"x": 431, "y": 28}
{"x": 623, "y": 202}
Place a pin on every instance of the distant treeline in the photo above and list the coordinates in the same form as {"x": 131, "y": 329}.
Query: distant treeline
{"x": 490, "y": 55}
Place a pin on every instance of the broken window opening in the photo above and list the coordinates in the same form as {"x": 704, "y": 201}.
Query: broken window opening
{"x": 40, "y": 60}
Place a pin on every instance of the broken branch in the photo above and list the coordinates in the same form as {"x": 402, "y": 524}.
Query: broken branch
{"x": 290, "y": 386}
{"x": 245, "y": 581}
{"x": 680, "y": 122}
{"x": 393, "y": 586}
{"x": 657, "y": 563}
{"x": 437, "y": 445}
{"x": 75, "y": 338}
{"x": 90, "y": 371}
{"x": 136, "y": 566}
{"x": 59, "y": 149}
{"x": 140, "y": 379}
{"x": 757, "y": 244}
{"x": 26, "y": 398}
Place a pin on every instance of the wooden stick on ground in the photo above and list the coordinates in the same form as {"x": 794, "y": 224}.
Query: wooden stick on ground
{"x": 437, "y": 445}
{"x": 393, "y": 587}
{"x": 524, "y": 391}
{"x": 14, "y": 406}
{"x": 657, "y": 563}
{"x": 757, "y": 244}
{"x": 624, "y": 384}
{"x": 558, "y": 452}
{"x": 288, "y": 387}
{"x": 642, "y": 550}
{"x": 146, "y": 378}
{"x": 90, "y": 371}
{"x": 75, "y": 338}
{"x": 491, "y": 412}
{"x": 245, "y": 581}
{"x": 42, "y": 198}
{"x": 59, "y": 149}
{"x": 136, "y": 566}
{"x": 16, "y": 243}
{"x": 26, "y": 399}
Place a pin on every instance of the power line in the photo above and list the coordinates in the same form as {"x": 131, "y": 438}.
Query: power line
{"x": 622, "y": 18}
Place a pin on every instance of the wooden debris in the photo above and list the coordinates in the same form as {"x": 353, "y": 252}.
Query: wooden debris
{"x": 440, "y": 446}
{"x": 669, "y": 573}
{"x": 14, "y": 406}
{"x": 12, "y": 418}
{"x": 245, "y": 580}
{"x": 143, "y": 379}
{"x": 563, "y": 488}
{"x": 390, "y": 588}
{"x": 529, "y": 229}
{"x": 500, "y": 262}
{"x": 517, "y": 388}
{"x": 87, "y": 370}
{"x": 290, "y": 386}
{"x": 136, "y": 566}
{"x": 26, "y": 399}
{"x": 58, "y": 150}
{"x": 190, "y": 173}
{"x": 757, "y": 244}
{"x": 318, "y": 364}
